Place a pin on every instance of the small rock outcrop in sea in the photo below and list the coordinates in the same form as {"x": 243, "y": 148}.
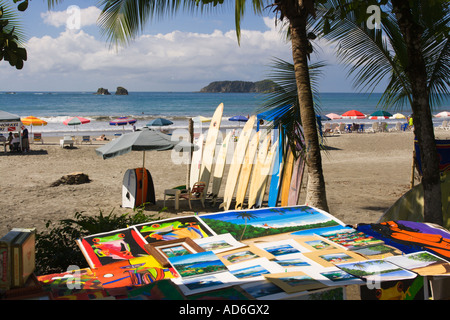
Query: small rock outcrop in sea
{"x": 121, "y": 91}
{"x": 72, "y": 178}
{"x": 263, "y": 86}
{"x": 102, "y": 91}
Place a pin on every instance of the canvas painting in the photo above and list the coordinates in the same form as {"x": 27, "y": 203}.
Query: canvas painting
{"x": 173, "y": 229}
{"x": 351, "y": 239}
{"x": 313, "y": 243}
{"x": 104, "y": 248}
{"x": 296, "y": 262}
{"x": 249, "y": 224}
{"x": 254, "y": 270}
{"x": 295, "y": 281}
{"x": 247, "y": 253}
{"x": 335, "y": 277}
{"x": 329, "y": 258}
{"x": 281, "y": 248}
{"x": 423, "y": 263}
{"x": 376, "y": 270}
{"x": 197, "y": 264}
{"x": 378, "y": 251}
{"x": 219, "y": 243}
{"x": 406, "y": 289}
{"x": 205, "y": 283}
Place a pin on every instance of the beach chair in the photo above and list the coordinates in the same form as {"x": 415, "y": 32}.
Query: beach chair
{"x": 67, "y": 140}
{"x": 176, "y": 192}
{"x": 37, "y": 137}
{"x": 327, "y": 130}
{"x": 374, "y": 128}
{"x": 398, "y": 127}
{"x": 361, "y": 127}
{"x": 86, "y": 139}
{"x": 196, "y": 193}
{"x": 384, "y": 127}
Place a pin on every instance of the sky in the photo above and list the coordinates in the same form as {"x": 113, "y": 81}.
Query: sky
{"x": 182, "y": 53}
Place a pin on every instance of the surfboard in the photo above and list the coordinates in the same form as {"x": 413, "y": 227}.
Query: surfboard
{"x": 256, "y": 180}
{"x": 137, "y": 188}
{"x": 296, "y": 181}
{"x": 219, "y": 167}
{"x": 246, "y": 171}
{"x": 210, "y": 148}
{"x": 196, "y": 162}
{"x": 274, "y": 188}
{"x": 236, "y": 163}
{"x": 286, "y": 179}
{"x": 265, "y": 172}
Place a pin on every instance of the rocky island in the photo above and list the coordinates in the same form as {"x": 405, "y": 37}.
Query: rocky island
{"x": 102, "y": 91}
{"x": 263, "y": 86}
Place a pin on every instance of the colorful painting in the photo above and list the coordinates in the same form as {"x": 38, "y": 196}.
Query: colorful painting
{"x": 206, "y": 283}
{"x": 172, "y": 229}
{"x": 219, "y": 243}
{"x": 254, "y": 270}
{"x": 281, "y": 248}
{"x": 407, "y": 289}
{"x": 351, "y": 239}
{"x": 423, "y": 263}
{"x": 381, "y": 250}
{"x": 243, "y": 254}
{"x": 376, "y": 270}
{"x": 163, "y": 250}
{"x": 248, "y": 224}
{"x": 314, "y": 243}
{"x": 197, "y": 264}
{"x": 104, "y": 248}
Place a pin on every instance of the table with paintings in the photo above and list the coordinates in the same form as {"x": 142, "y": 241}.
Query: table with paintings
{"x": 278, "y": 253}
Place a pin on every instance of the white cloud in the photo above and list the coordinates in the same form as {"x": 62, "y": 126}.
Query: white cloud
{"x": 73, "y": 17}
{"x": 75, "y": 60}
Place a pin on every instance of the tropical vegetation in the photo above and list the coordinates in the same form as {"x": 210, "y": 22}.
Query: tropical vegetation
{"x": 11, "y": 35}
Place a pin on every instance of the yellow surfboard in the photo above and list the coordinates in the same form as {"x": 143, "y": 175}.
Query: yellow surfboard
{"x": 219, "y": 167}
{"x": 256, "y": 181}
{"x": 287, "y": 177}
{"x": 265, "y": 172}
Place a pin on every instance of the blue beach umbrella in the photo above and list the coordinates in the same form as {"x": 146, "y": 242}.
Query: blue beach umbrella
{"x": 239, "y": 119}
{"x": 159, "y": 122}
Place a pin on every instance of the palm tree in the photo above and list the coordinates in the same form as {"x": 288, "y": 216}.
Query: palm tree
{"x": 122, "y": 20}
{"x": 412, "y": 49}
{"x": 11, "y": 35}
{"x": 246, "y": 216}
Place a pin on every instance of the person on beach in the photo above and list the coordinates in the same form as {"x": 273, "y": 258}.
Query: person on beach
{"x": 101, "y": 138}
{"x": 25, "y": 141}
{"x": 10, "y": 138}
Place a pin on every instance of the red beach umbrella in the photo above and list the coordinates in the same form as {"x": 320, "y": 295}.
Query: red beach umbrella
{"x": 74, "y": 121}
{"x": 353, "y": 114}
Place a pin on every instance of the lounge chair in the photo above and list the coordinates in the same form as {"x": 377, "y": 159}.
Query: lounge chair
{"x": 196, "y": 193}
{"x": 374, "y": 128}
{"x": 398, "y": 127}
{"x": 86, "y": 139}
{"x": 37, "y": 137}
{"x": 67, "y": 140}
{"x": 327, "y": 130}
{"x": 384, "y": 127}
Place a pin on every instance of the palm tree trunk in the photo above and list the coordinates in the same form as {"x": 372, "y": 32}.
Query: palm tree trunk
{"x": 297, "y": 13}
{"x": 422, "y": 118}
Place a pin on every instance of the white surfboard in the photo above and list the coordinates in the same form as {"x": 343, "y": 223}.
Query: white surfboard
{"x": 246, "y": 171}
{"x": 236, "y": 163}
{"x": 256, "y": 181}
{"x": 210, "y": 147}
{"x": 265, "y": 172}
{"x": 129, "y": 189}
{"x": 196, "y": 162}
{"x": 219, "y": 167}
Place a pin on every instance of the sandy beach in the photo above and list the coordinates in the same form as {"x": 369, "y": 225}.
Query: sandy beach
{"x": 365, "y": 174}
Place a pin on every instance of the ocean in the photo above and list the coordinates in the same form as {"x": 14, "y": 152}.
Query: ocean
{"x": 55, "y": 107}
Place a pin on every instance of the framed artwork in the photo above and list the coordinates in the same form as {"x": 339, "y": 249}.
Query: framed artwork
{"x": 219, "y": 243}
{"x": 329, "y": 258}
{"x": 243, "y": 254}
{"x": 316, "y": 243}
{"x": 296, "y": 281}
{"x": 163, "y": 250}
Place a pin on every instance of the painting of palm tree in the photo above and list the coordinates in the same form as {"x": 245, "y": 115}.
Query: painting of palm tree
{"x": 246, "y": 216}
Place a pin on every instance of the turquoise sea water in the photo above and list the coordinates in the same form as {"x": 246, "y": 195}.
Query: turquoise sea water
{"x": 55, "y": 107}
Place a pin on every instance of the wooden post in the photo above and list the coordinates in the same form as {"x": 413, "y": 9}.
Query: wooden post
{"x": 412, "y": 169}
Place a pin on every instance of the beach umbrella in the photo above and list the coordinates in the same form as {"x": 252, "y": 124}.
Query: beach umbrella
{"x": 33, "y": 121}
{"x": 333, "y": 116}
{"x": 398, "y": 116}
{"x": 380, "y": 114}
{"x": 443, "y": 114}
{"x": 239, "y": 119}
{"x": 322, "y": 117}
{"x": 353, "y": 114}
{"x": 122, "y": 121}
{"x": 75, "y": 121}
{"x": 159, "y": 122}
{"x": 143, "y": 139}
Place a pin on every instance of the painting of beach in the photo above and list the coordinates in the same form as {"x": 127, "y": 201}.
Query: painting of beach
{"x": 197, "y": 264}
{"x": 376, "y": 270}
{"x": 422, "y": 262}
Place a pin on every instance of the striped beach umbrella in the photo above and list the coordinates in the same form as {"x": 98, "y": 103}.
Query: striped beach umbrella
{"x": 74, "y": 121}
{"x": 380, "y": 114}
{"x": 443, "y": 114}
{"x": 122, "y": 121}
{"x": 33, "y": 121}
{"x": 334, "y": 116}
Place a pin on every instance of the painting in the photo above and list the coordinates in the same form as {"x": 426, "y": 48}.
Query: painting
{"x": 254, "y": 270}
{"x": 338, "y": 277}
{"x": 295, "y": 281}
{"x": 281, "y": 248}
{"x": 163, "y": 250}
{"x": 351, "y": 239}
{"x": 247, "y": 253}
{"x": 219, "y": 243}
{"x": 197, "y": 264}
{"x": 104, "y": 248}
{"x": 379, "y": 251}
{"x": 407, "y": 289}
{"x": 250, "y": 224}
{"x": 329, "y": 258}
{"x": 422, "y": 262}
{"x": 172, "y": 229}
{"x": 314, "y": 243}
{"x": 196, "y": 285}
{"x": 376, "y": 270}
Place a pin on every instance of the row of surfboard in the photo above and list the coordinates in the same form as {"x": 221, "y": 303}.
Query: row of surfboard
{"x": 256, "y": 157}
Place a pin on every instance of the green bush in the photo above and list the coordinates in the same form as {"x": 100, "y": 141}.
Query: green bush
{"x": 56, "y": 248}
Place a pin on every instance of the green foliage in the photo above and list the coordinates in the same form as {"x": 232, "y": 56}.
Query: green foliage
{"x": 56, "y": 248}
{"x": 9, "y": 41}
